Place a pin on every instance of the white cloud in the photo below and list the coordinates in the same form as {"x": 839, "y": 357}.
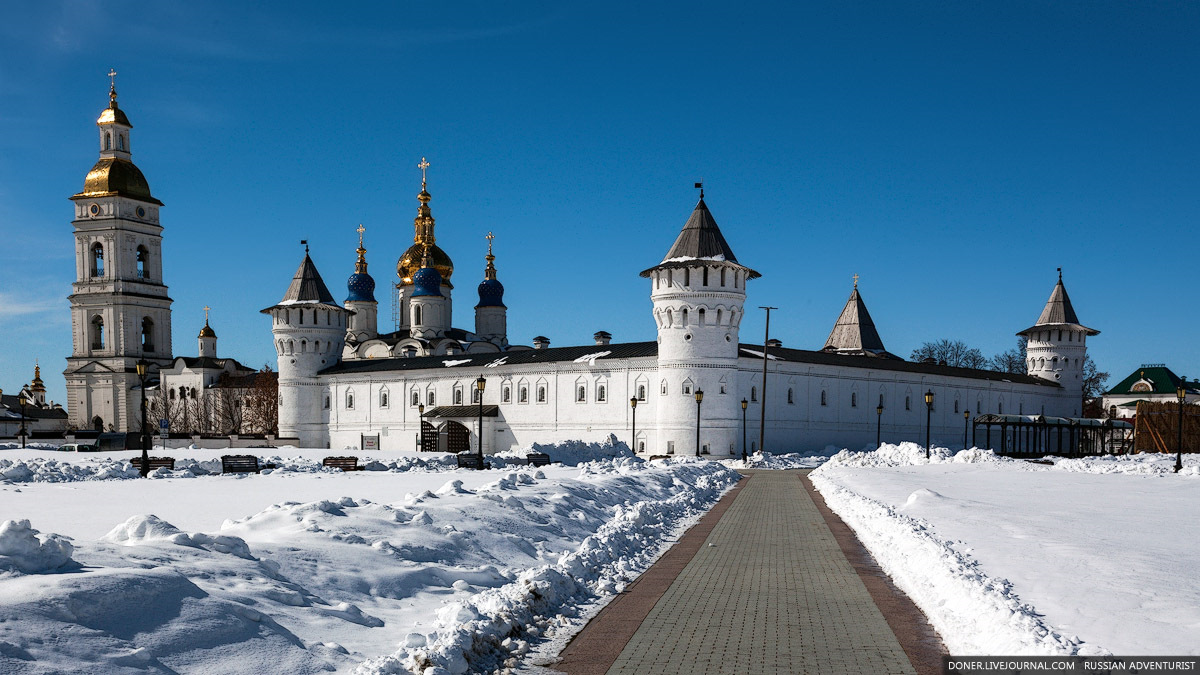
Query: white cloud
{"x": 12, "y": 305}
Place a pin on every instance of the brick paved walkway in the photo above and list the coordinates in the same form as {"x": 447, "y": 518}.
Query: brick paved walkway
{"x": 770, "y": 591}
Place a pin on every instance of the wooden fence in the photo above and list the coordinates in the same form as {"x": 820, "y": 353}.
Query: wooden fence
{"x": 1157, "y": 427}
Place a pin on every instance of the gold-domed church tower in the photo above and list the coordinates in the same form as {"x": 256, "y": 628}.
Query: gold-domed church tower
{"x": 120, "y": 311}
{"x": 424, "y": 246}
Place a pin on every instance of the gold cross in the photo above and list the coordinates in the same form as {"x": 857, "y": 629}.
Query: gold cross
{"x": 112, "y": 76}
{"x": 360, "y": 231}
{"x": 856, "y": 281}
{"x": 206, "y": 308}
{"x": 422, "y": 166}
{"x": 490, "y": 237}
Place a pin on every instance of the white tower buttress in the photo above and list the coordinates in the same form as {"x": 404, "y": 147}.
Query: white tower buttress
{"x": 1057, "y": 348}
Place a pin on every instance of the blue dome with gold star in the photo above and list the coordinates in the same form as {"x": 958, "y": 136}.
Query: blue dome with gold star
{"x": 427, "y": 281}
{"x": 361, "y": 287}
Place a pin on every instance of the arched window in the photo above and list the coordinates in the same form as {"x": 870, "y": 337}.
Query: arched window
{"x": 722, "y": 276}
{"x": 415, "y": 399}
{"x": 108, "y": 140}
{"x": 853, "y": 399}
{"x": 670, "y": 318}
{"x": 317, "y": 346}
{"x": 704, "y": 281}
{"x": 147, "y": 335}
{"x": 506, "y": 394}
{"x": 97, "y": 259}
{"x": 687, "y": 388}
{"x": 303, "y": 343}
{"x": 458, "y": 397}
{"x": 791, "y": 396}
{"x": 171, "y": 393}
{"x": 143, "y": 263}
{"x": 580, "y": 393}
{"x": 700, "y": 318}
{"x": 97, "y": 333}
{"x": 641, "y": 392}
{"x": 881, "y": 399}
{"x": 718, "y": 316}
{"x": 475, "y": 395}
{"x": 523, "y": 395}
{"x": 120, "y": 141}
{"x": 383, "y": 398}
{"x": 978, "y": 407}
{"x": 908, "y": 403}
{"x": 753, "y": 393}
{"x": 670, "y": 278}
{"x": 1000, "y": 407}
{"x": 601, "y": 393}
{"x": 956, "y": 406}
{"x": 684, "y": 319}
{"x": 301, "y": 317}
{"x": 349, "y": 399}
{"x": 823, "y": 400}
{"x": 662, "y": 388}
{"x": 431, "y": 398}
{"x": 541, "y": 394}
{"x": 687, "y": 276}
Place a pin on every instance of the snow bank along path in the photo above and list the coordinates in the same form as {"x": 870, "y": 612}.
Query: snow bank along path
{"x": 1009, "y": 557}
{"x": 431, "y": 570}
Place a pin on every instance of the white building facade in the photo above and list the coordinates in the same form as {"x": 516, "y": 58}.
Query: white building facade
{"x": 416, "y": 387}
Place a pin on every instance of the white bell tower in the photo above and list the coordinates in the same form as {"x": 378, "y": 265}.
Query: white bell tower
{"x": 120, "y": 311}
{"x": 1057, "y": 347}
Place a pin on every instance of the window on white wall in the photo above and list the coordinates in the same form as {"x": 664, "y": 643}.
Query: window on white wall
{"x": 349, "y": 399}
{"x": 383, "y": 398}
{"x": 908, "y": 403}
{"x": 415, "y": 399}
{"x": 641, "y": 392}
{"x": 823, "y": 400}
{"x": 541, "y": 393}
{"x": 457, "y": 396}
{"x": 791, "y": 396}
{"x": 853, "y": 399}
{"x": 580, "y": 394}
{"x": 753, "y": 393}
{"x": 523, "y": 394}
{"x": 431, "y": 397}
{"x": 601, "y": 394}
{"x": 506, "y": 394}
{"x": 662, "y": 389}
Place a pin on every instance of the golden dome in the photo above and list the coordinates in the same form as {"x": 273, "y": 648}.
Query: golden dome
{"x": 207, "y": 332}
{"x": 410, "y": 262}
{"x": 113, "y": 176}
{"x": 114, "y": 115}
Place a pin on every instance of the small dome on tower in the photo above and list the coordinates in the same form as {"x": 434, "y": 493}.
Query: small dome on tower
{"x": 427, "y": 281}
{"x": 207, "y": 331}
{"x": 361, "y": 287}
{"x": 491, "y": 293}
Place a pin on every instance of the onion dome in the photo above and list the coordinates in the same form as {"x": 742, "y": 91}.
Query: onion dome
{"x": 360, "y": 284}
{"x": 491, "y": 291}
{"x": 112, "y": 114}
{"x": 207, "y": 331}
{"x": 427, "y": 281}
{"x": 424, "y": 245}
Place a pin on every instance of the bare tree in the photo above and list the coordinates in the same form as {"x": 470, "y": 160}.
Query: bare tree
{"x": 1093, "y": 386}
{"x": 262, "y": 403}
{"x": 1012, "y": 360}
{"x": 950, "y": 353}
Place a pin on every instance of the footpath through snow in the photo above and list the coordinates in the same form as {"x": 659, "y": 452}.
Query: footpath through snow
{"x": 1009, "y": 557}
{"x": 459, "y": 571}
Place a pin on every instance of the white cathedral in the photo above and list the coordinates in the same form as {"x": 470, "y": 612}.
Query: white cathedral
{"x": 427, "y": 384}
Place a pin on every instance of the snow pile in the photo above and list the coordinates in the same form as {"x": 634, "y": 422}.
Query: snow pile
{"x": 910, "y": 454}
{"x": 574, "y": 453}
{"x": 974, "y": 612}
{"x": 493, "y": 628}
{"x": 38, "y": 470}
{"x": 1146, "y": 464}
{"x": 151, "y": 529}
{"x": 24, "y": 549}
{"x": 792, "y": 460}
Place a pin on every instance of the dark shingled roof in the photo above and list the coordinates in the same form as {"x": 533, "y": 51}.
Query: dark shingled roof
{"x": 1059, "y": 312}
{"x": 854, "y": 330}
{"x": 307, "y": 286}
{"x": 700, "y": 238}
{"x": 626, "y": 350}
{"x": 11, "y": 403}
{"x": 874, "y": 363}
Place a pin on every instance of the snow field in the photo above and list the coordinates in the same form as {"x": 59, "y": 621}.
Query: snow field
{"x": 425, "y": 569}
{"x": 1009, "y": 557}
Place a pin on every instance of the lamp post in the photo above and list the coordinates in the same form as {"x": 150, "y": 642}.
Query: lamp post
{"x": 744, "y": 404}
{"x": 699, "y": 398}
{"x": 421, "y": 427}
{"x": 633, "y": 409}
{"x": 480, "y": 384}
{"x": 24, "y": 401}
{"x": 966, "y": 423}
{"x": 878, "y": 425}
{"x": 141, "y": 373}
{"x": 928, "y": 416}
{"x": 1181, "y": 392}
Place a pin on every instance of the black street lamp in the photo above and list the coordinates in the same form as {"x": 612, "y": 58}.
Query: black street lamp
{"x": 966, "y": 423}
{"x": 24, "y": 401}
{"x": 480, "y": 384}
{"x": 878, "y": 425}
{"x": 1181, "y": 392}
{"x": 699, "y": 398}
{"x": 421, "y": 427}
{"x": 928, "y": 415}
{"x": 141, "y": 373}
{"x": 744, "y": 404}
{"x": 633, "y": 408}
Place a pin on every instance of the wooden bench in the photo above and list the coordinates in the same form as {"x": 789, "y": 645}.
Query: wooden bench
{"x": 537, "y": 459}
{"x": 167, "y": 463}
{"x": 239, "y": 464}
{"x": 343, "y": 463}
{"x": 469, "y": 461}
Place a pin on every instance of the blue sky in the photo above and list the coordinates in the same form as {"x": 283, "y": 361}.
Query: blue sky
{"x": 952, "y": 154}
